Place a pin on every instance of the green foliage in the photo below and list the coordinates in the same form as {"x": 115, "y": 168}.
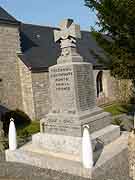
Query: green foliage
{"x": 21, "y": 119}
{"x": 116, "y": 35}
{"x": 3, "y": 144}
{"x": 24, "y": 126}
{"x": 2, "y": 148}
{"x": 23, "y": 133}
{"x": 125, "y": 124}
{"x": 118, "y": 122}
{"x": 123, "y": 88}
{"x": 117, "y": 109}
{"x": 32, "y": 128}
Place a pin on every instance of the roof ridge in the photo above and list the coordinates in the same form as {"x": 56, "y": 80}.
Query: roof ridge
{"x": 51, "y": 27}
{"x": 39, "y": 25}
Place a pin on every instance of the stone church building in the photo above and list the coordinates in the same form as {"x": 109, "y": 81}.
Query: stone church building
{"x": 26, "y": 52}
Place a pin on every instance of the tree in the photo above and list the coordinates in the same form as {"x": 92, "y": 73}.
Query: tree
{"x": 116, "y": 34}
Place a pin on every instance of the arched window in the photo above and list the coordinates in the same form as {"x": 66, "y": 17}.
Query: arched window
{"x": 99, "y": 83}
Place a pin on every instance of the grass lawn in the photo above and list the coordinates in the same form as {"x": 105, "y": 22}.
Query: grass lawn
{"x": 117, "y": 109}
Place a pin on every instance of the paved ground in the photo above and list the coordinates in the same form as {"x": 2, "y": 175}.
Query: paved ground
{"x": 117, "y": 169}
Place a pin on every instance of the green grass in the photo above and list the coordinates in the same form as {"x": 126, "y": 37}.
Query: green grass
{"x": 117, "y": 109}
{"x": 32, "y": 128}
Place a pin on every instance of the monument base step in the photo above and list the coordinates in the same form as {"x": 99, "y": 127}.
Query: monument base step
{"x": 36, "y": 156}
{"x": 73, "y": 124}
{"x": 73, "y": 145}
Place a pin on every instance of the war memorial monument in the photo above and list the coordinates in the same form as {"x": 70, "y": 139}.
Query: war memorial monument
{"x": 73, "y": 105}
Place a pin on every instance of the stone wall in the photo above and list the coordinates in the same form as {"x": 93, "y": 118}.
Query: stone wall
{"x": 34, "y": 92}
{"x": 113, "y": 89}
{"x": 26, "y": 90}
{"x": 109, "y": 87}
{"x": 10, "y": 89}
{"x": 109, "y": 84}
{"x": 40, "y": 84}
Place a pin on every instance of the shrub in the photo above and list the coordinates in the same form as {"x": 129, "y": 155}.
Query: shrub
{"x": 124, "y": 90}
{"x": 118, "y": 122}
{"x": 3, "y": 144}
{"x": 116, "y": 109}
{"x": 32, "y": 128}
{"x": 23, "y": 133}
{"x": 21, "y": 119}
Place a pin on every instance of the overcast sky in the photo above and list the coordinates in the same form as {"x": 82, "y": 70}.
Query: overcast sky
{"x": 50, "y": 12}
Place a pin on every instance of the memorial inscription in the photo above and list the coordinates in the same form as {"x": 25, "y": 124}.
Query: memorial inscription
{"x": 62, "y": 88}
{"x": 73, "y": 85}
{"x": 85, "y": 88}
{"x": 62, "y": 78}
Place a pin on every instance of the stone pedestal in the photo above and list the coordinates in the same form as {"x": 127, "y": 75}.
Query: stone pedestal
{"x": 72, "y": 145}
{"x": 73, "y": 105}
{"x": 35, "y": 155}
{"x": 72, "y": 125}
{"x": 73, "y": 101}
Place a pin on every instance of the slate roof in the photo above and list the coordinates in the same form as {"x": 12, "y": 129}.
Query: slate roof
{"x": 40, "y": 51}
{"x": 38, "y": 46}
{"x": 5, "y": 17}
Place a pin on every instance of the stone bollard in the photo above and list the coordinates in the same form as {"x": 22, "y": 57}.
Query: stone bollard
{"x": 12, "y": 136}
{"x": 87, "y": 152}
{"x": 131, "y": 154}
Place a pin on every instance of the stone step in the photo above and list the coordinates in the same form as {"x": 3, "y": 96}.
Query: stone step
{"x": 105, "y": 136}
{"x": 42, "y": 159}
{"x": 99, "y": 140}
{"x": 73, "y": 145}
{"x": 113, "y": 149}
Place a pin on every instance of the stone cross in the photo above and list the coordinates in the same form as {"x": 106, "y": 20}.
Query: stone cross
{"x": 67, "y": 35}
